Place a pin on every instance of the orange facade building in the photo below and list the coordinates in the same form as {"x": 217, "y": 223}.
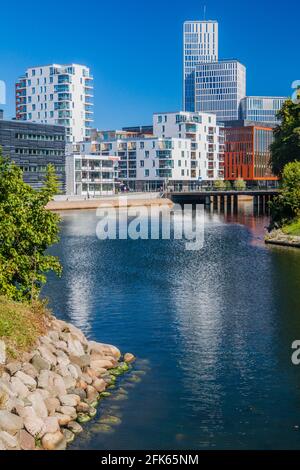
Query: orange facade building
{"x": 247, "y": 153}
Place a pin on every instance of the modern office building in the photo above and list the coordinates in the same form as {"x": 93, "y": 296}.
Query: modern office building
{"x": 261, "y": 108}
{"x": 89, "y": 174}
{"x": 200, "y": 45}
{"x": 59, "y": 95}
{"x": 247, "y": 153}
{"x": 220, "y": 88}
{"x": 32, "y": 147}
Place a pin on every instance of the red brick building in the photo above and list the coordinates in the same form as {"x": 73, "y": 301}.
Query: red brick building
{"x": 247, "y": 153}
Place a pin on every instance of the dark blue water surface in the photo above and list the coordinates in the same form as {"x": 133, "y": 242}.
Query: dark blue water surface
{"x": 212, "y": 330}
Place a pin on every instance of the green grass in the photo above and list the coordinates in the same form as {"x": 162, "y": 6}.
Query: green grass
{"x": 21, "y": 325}
{"x": 292, "y": 228}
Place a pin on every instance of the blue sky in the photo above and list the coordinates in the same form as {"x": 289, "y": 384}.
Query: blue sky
{"x": 134, "y": 48}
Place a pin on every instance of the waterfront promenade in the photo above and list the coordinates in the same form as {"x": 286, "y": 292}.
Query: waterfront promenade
{"x": 133, "y": 200}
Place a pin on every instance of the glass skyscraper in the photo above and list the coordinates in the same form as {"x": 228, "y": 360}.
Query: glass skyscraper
{"x": 200, "y": 45}
{"x": 219, "y": 88}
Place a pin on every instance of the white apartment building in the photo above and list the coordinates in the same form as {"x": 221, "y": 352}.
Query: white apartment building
{"x": 57, "y": 94}
{"x": 186, "y": 150}
{"x": 206, "y": 137}
{"x": 200, "y": 45}
{"x": 89, "y": 174}
{"x": 220, "y": 88}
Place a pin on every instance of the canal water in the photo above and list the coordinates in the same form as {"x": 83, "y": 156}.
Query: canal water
{"x": 212, "y": 330}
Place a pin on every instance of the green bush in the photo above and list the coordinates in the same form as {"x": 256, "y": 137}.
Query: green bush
{"x": 239, "y": 185}
{"x": 220, "y": 185}
{"x": 286, "y": 206}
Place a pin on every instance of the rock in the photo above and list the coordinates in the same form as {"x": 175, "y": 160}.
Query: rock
{"x": 69, "y": 382}
{"x": 40, "y": 363}
{"x": 26, "y": 379}
{"x": 99, "y": 385}
{"x": 52, "y": 405}
{"x": 28, "y": 369}
{"x": 81, "y": 384}
{"x": 106, "y": 349}
{"x": 27, "y": 442}
{"x": 10, "y": 442}
{"x": 59, "y": 385}
{"x": 75, "y": 347}
{"x": 74, "y": 371}
{"x": 110, "y": 420}
{"x": 48, "y": 355}
{"x": 83, "y": 407}
{"x": 92, "y": 411}
{"x": 10, "y": 422}
{"x": 2, "y": 352}
{"x": 54, "y": 336}
{"x": 77, "y": 391}
{"x": 69, "y": 435}
{"x": 13, "y": 367}
{"x": 87, "y": 378}
{"x": 81, "y": 361}
{"x": 35, "y": 426}
{"x": 91, "y": 393}
{"x": 69, "y": 400}
{"x": 83, "y": 418}
{"x": 51, "y": 424}
{"x": 102, "y": 364}
{"x": 54, "y": 441}
{"x": 45, "y": 379}
{"x": 19, "y": 387}
{"x": 68, "y": 410}
{"x": 75, "y": 427}
{"x": 38, "y": 404}
{"x": 129, "y": 358}
{"x": 63, "y": 420}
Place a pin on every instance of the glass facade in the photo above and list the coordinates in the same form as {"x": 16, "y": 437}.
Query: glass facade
{"x": 262, "y": 109}
{"x": 200, "y": 44}
{"x": 219, "y": 88}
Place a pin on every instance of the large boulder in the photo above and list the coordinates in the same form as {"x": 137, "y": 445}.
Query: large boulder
{"x": 11, "y": 442}
{"x": 54, "y": 441}
{"x": 27, "y": 442}
{"x": 10, "y": 422}
{"x": 26, "y": 379}
{"x": 40, "y": 363}
{"x": 38, "y": 404}
{"x": 19, "y": 387}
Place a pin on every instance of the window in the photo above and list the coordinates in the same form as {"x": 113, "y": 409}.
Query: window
{"x": 159, "y": 119}
{"x": 147, "y": 154}
{"x": 146, "y": 173}
{"x": 182, "y": 172}
{"x": 142, "y": 163}
{"x": 142, "y": 145}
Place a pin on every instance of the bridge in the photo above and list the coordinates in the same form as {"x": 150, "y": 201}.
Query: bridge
{"x": 261, "y": 197}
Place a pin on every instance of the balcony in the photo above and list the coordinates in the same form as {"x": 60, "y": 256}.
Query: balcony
{"x": 164, "y": 153}
{"x": 164, "y": 173}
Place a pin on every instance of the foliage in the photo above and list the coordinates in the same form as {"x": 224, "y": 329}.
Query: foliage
{"x": 27, "y": 229}
{"x": 286, "y": 145}
{"x": 286, "y": 206}
{"x": 219, "y": 185}
{"x": 239, "y": 185}
{"x": 20, "y": 325}
{"x": 228, "y": 186}
{"x": 293, "y": 228}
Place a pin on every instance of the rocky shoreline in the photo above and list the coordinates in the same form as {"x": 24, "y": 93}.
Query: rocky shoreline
{"x": 277, "y": 237}
{"x": 46, "y": 396}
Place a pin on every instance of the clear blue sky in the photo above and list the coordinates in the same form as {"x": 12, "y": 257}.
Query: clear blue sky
{"x": 134, "y": 48}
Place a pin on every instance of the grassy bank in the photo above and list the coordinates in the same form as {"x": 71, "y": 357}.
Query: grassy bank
{"x": 20, "y": 325}
{"x": 292, "y": 229}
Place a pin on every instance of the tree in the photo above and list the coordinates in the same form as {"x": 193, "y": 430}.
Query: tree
{"x": 220, "y": 185}
{"x": 27, "y": 229}
{"x": 286, "y": 145}
{"x": 51, "y": 183}
{"x": 286, "y": 206}
{"x": 239, "y": 185}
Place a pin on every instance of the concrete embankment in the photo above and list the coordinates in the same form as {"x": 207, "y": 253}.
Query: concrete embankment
{"x": 51, "y": 391}
{"x": 132, "y": 200}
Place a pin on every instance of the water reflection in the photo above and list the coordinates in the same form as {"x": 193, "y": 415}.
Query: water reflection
{"x": 216, "y": 326}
